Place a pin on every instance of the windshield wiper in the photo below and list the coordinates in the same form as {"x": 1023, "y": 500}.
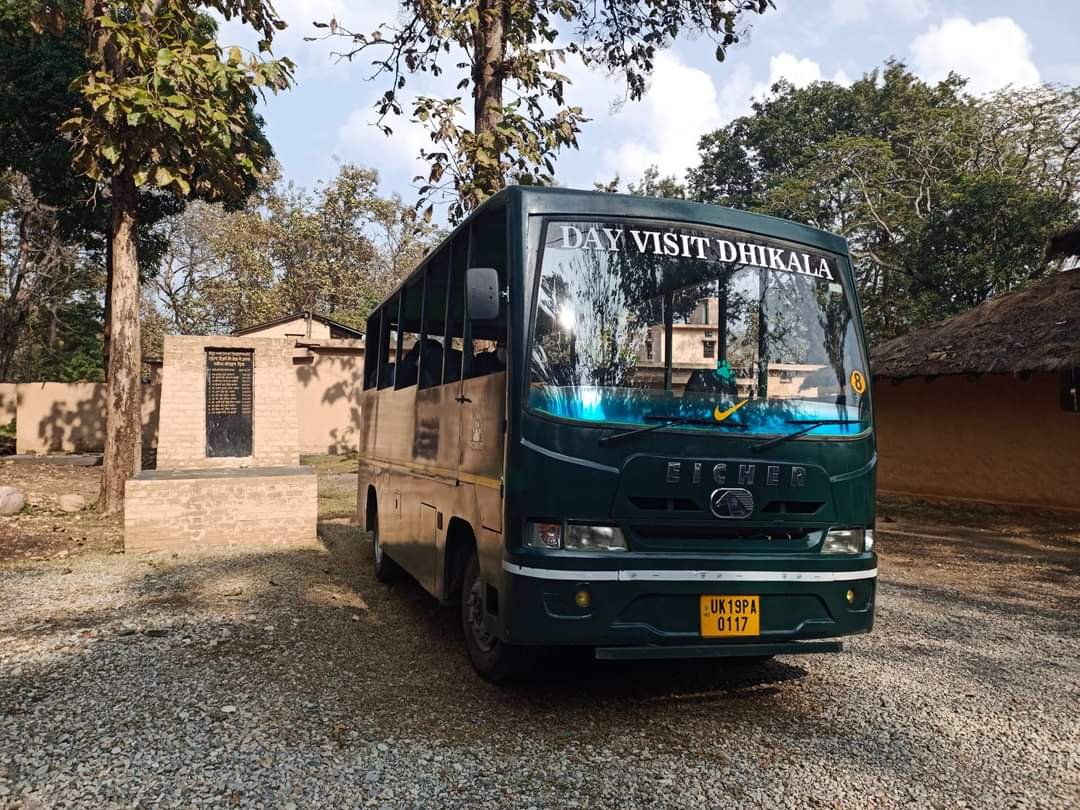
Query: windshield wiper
{"x": 668, "y": 421}
{"x": 808, "y": 425}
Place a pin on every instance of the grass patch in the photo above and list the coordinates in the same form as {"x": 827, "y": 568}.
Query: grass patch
{"x": 336, "y": 501}
{"x": 327, "y": 464}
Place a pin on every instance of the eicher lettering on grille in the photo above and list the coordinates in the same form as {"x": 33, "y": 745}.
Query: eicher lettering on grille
{"x": 686, "y": 245}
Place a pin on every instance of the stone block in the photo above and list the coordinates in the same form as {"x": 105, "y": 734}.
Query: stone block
{"x": 206, "y": 509}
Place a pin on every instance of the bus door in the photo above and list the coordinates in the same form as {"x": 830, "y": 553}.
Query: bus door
{"x": 483, "y": 385}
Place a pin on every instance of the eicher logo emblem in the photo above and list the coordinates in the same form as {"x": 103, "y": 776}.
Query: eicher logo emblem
{"x": 744, "y": 475}
{"x": 731, "y": 503}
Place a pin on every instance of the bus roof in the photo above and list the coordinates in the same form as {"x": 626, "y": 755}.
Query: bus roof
{"x": 578, "y": 202}
{"x": 553, "y": 201}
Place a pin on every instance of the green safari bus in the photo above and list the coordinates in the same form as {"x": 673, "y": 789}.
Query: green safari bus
{"x": 638, "y": 425}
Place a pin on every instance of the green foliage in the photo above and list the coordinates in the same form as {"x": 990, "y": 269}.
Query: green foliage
{"x": 37, "y": 69}
{"x": 56, "y": 266}
{"x": 164, "y": 104}
{"x": 336, "y": 251}
{"x": 650, "y": 185}
{"x": 48, "y": 292}
{"x": 945, "y": 199}
{"x": 521, "y": 47}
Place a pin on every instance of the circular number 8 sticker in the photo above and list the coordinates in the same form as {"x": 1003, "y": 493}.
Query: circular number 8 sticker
{"x": 858, "y": 381}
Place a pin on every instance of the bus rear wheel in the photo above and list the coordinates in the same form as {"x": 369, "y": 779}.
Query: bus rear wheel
{"x": 494, "y": 660}
{"x": 385, "y": 568}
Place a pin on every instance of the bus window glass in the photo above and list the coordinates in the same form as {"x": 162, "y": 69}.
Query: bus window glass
{"x": 641, "y": 322}
{"x": 371, "y": 350}
{"x": 455, "y": 332}
{"x": 388, "y": 343}
{"x": 486, "y": 352}
{"x": 412, "y": 327}
{"x": 436, "y": 291}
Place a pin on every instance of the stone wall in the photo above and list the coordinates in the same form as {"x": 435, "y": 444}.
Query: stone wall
{"x": 295, "y": 328}
{"x": 327, "y": 378}
{"x": 329, "y": 381}
{"x": 997, "y": 438}
{"x": 275, "y": 431}
{"x": 9, "y": 402}
{"x": 196, "y": 510}
{"x": 56, "y": 417}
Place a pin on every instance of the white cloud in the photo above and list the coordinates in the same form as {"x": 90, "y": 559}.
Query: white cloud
{"x": 682, "y": 104}
{"x": 315, "y": 60}
{"x": 849, "y": 11}
{"x": 991, "y": 54}
{"x": 365, "y": 143}
{"x": 799, "y": 72}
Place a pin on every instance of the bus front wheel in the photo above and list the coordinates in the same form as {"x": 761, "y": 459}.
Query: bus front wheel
{"x": 494, "y": 660}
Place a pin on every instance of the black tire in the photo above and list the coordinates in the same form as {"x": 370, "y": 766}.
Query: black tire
{"x": 494, "y": 660}
{"x": 385, "y": 568}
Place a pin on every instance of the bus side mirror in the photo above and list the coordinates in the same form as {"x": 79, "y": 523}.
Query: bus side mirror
{"x": 482, "y": 293}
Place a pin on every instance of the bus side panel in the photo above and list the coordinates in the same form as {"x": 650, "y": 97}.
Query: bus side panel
{"x": 434, "y": 458}
{"x": 369, "y": 409}
{"x": 483, "y": 426}
{"x": 400, "y": 498}
{"x": 435, "y": 432}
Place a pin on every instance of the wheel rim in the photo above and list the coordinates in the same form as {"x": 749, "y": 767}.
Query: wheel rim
{"x": 475, "y": 612}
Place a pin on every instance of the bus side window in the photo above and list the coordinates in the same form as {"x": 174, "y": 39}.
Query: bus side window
{"x": 412, "y": 308}
{"x": 435, "y": 297}
{"x": 455, "y": 313}
{"x": 388, "y": 343}
{"x": 486, "y": 352}
{"x": 371, "y": 349}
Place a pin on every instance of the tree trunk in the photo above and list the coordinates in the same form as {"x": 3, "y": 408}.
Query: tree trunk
{"x": 488, "y": 72}
{"x": 108, "y": 306}
{"x": 123, "y": 427}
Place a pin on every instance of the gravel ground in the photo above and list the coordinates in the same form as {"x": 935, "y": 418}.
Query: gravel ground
{"x": 292, "y": 679}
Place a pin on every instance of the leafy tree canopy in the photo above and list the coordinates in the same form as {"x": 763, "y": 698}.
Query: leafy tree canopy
{"x": 164, "y": 103}
{"x": 945, "y": 199}
{"x": 337, "y": 250}
{"x": 37, "y": 68}
{"x": 520, "y": 47}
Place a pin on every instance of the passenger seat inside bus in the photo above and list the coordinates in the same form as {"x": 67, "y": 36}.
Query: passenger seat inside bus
{"x": 410, "y": 364}
{"x": 487, "y": 363}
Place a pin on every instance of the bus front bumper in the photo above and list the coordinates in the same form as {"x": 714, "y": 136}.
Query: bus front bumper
{"x": 635, "y": 613}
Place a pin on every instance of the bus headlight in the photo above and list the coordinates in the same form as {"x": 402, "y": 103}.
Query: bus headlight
{"x": 543, "y": 535}
{"x": 848, "y": 541}
{"x": 594, "y": 538}
{"x": 574, "y": 537}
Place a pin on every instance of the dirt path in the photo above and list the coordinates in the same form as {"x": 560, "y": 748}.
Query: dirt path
{"x": 294, "y": 677}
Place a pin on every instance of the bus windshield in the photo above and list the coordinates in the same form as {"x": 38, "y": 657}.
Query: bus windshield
{"x": 639, "y": 322}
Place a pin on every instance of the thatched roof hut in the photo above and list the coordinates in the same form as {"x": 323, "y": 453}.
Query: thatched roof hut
{"x": 1033, "y": 329}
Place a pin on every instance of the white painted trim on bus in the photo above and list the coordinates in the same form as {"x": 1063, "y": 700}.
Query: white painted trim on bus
{"x": 688, "y": 576}
{"x": 557, "y": 573}
{"x": 583, "y": 462}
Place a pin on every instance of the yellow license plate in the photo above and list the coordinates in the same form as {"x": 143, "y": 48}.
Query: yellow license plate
{"x": 723, "y": 616}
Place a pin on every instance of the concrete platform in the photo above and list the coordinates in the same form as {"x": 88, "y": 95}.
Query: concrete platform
{"x": 221, "y": 508}
{"x": 61, "y": 460}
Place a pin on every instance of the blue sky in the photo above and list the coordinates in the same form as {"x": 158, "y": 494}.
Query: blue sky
{"x": 326, "y": 118}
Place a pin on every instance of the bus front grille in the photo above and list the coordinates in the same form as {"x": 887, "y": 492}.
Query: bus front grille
{"x": 720, "y": 533}
{"x": 665, "y": 504}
